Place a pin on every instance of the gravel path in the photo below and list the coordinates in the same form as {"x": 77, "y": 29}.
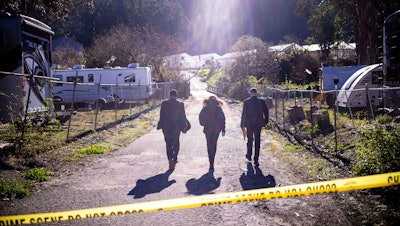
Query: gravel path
{"x": 138, "y": 173}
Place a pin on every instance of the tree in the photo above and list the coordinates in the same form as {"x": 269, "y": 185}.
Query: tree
{"x": 358, "y": 20}
{"x": 66, "y": 57}
{"x": 39, "y": 9}
{"x": 90, "y": 20}
{"x": 254, "y": 60}
{"x": 299, "y": 64}
{"x": 128, "y": 44}
{"x": 79, "y": 23}
{"x": 247, "y": 42}
{"x": 84, "y": 20}
{"x": 288, "y": 39}
{"x": 320, "y": 17}
{"x": 367, "y": 19}
{"x": 293, "y": 68}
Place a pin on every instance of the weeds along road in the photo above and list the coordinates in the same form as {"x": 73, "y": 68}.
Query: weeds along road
{"x": 138, "y": 173}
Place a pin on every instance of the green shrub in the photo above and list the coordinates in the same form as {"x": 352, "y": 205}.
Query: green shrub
{"x": 37, "y": 174}
{"x": 382, "y": 119}
{"x": 238, "y": 92}
{"x": 18, "y": 189}
{"x": 313, "y": 129}
{"x": 92, "y": 150}
{"x": 378, "y": 151}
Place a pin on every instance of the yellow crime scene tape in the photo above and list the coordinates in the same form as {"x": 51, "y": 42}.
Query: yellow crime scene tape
{"x": 339, "y": 185}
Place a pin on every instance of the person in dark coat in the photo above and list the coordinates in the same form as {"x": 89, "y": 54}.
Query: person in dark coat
{"x": 254, "y": 117}
{"x": 212, "y": 118}
{"x": 172, "y": 122}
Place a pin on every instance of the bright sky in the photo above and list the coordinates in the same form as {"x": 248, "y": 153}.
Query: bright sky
{"x": 216, "y": 23}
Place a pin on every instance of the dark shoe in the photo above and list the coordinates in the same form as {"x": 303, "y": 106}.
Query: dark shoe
{"x": 248, "y": 158}
{"x": 256, "y": 163}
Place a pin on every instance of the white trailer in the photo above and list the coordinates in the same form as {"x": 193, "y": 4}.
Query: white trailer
{"x": 88, "y": 85}
{"x": 353, "y": 93}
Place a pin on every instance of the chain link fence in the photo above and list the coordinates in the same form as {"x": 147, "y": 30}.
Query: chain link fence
{"x": 87, "y": 107}
{"x": 327, "y": 120}
{"x": 82, "y": 115}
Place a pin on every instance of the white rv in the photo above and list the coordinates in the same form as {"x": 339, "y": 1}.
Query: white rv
{"x": 353, "y": 93}
{"x": 103, "y": 84}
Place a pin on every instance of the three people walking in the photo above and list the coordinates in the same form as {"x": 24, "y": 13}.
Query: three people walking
{"x": 173, "y": 121}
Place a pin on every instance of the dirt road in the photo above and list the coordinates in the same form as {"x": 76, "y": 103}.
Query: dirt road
{"x": 138, "y": 173}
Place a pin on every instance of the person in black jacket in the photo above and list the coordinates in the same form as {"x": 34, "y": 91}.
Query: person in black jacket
{"x": 254, "y": 117}
{"x": 213, "y": 119}
{"x": 172, "y": 122}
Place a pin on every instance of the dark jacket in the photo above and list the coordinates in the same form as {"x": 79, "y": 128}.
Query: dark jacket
{"x": 255, "y": 113}
{"x": 172, "y": 116}
{"x": 212, "y": 118}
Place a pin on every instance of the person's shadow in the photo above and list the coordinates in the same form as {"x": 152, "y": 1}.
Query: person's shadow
{"x": 152, "y": 184}
{"x": 204, "y": 185}
{"x": 255, "y": 179}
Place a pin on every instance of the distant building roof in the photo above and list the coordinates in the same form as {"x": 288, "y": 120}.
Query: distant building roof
{"x": 343, "y": 45}
{"x": 338, "y": 45}
{"x": 209, "y": 56}
{"x": 188, "y": 61}
{"x": 312, "y": 47}
{"x": 285, "y": 47}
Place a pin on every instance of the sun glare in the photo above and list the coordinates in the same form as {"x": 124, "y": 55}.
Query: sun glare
{"x": 217, "y": 23}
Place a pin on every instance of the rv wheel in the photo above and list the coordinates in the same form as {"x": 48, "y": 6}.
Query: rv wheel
{"x": 100, "y": 104}
{"x": 57, "y": 99}
{"x": 57, "y": 103}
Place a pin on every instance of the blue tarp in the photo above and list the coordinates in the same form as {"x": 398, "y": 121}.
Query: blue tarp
{"x": 342, "y": 73}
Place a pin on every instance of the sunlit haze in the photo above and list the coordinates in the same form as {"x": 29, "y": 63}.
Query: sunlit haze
{"x": 217, "y": 23}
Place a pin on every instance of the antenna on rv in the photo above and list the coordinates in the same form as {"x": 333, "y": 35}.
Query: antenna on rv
{"x": 112, "y": 59}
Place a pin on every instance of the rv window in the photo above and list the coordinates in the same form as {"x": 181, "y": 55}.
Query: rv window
{"x": 90, "y": 78}
{"x": 79, "y": 79}
{"x": 58, "y": 82}
{"x": 130, "y": 78}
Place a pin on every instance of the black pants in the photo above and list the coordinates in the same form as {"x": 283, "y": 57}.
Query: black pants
{"x": 172, "y": 143}
{"x": 212, "y": 138}
{"x": 253, "y": 134}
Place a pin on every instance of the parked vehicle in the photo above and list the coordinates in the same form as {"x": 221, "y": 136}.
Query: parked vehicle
{"x": 354, "y": 94}
{"x": 104, "y": 85}
{"x": 25, "y": 52}
{"x": 342, "y": 73}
